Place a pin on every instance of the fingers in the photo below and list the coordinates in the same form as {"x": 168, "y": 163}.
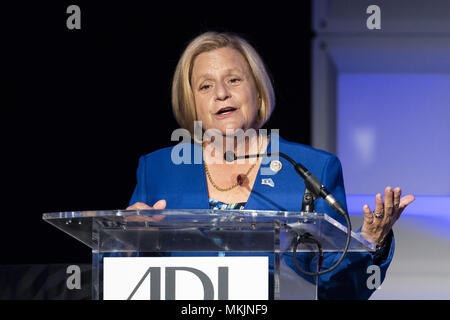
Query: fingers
{"x": 137, "y": 219}
{"x": 158, "y": 217}
{"x": 368, "y": 216}
{"x": 378, "y": 204}
{"x": 388, "y": 201}
{"x": 401, "y": 203}
{"x": 376, "y": 228}
{"x": 139, "y": 206}
{"x": 145, "y": 218}
{"x": 397, "y": 194}
{"x": 159, "y": 205}
{"x": 405, "y": 201}
{"x": 368, "y": 228}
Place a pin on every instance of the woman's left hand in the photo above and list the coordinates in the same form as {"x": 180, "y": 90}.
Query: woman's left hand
{"x": 377, "y": 225}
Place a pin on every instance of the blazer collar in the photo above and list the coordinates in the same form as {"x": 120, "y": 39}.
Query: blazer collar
{"x": 262, "y": 195}
{"x": 259, "y": 198}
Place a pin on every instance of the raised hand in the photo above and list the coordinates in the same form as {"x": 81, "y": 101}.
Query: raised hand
{"x": 378, "y": 223}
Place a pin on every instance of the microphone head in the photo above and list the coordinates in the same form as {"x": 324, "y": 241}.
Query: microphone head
{"x": 229, "y": 156}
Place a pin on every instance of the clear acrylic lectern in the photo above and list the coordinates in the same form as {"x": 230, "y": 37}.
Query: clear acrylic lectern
{"x": 138, "y": 234}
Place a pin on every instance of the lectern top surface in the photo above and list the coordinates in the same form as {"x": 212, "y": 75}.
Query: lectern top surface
{"x": 115, "y": 223}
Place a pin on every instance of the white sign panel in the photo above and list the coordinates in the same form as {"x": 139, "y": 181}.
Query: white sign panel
{"x": 186, "y": 278}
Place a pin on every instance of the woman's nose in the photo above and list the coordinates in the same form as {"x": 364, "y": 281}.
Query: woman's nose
{"x": 222, "y": 92}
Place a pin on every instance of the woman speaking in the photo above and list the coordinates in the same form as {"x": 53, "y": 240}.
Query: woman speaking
{"x": 222, "y": 83}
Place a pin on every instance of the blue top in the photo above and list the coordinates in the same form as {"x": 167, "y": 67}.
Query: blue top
{"x": 219, "y": 205}
{"x": 184, "y": 186}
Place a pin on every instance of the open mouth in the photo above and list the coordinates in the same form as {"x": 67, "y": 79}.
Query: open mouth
{"x": 226, "y": 110}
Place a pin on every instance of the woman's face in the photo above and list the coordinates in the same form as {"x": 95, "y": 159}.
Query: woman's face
{"x": 224, "y": 91}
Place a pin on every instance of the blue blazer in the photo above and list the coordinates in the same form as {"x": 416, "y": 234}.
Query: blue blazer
{"x": 184, "y": 186}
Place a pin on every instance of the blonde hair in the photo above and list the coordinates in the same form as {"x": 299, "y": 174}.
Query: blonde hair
{"x": 183, "y": 103}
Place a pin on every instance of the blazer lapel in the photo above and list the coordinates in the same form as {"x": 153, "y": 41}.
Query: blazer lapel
{"x": 194, "y": 191}
{"x": 279, "y": 191}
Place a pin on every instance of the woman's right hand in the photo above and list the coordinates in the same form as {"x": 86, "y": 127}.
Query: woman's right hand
{"x": 159, "y": 205}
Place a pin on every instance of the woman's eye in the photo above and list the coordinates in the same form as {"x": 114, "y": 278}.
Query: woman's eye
{"x": 204, "y": 87}
{"x": 235, "y": 80}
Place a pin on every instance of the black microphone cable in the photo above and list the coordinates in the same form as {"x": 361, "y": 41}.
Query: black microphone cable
{"x": 309, "y": 238}
{"x": 314, "y": 185}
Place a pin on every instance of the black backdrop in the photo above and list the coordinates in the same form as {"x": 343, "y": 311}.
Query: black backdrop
{"x": 83, "y": 105}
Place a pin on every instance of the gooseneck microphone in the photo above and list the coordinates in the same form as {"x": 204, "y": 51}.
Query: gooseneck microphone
{"x": 318, "y": 190}
{"x": 311, "y": 182}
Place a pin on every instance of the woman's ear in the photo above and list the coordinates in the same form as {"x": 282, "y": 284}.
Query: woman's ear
{"x": 259, "y": 115}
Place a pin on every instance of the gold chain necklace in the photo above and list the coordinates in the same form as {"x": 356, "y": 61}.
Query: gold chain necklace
{"x": 208, "y": 174}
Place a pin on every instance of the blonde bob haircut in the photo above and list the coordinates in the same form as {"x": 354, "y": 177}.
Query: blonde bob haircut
{"x": 183, "y": 103}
